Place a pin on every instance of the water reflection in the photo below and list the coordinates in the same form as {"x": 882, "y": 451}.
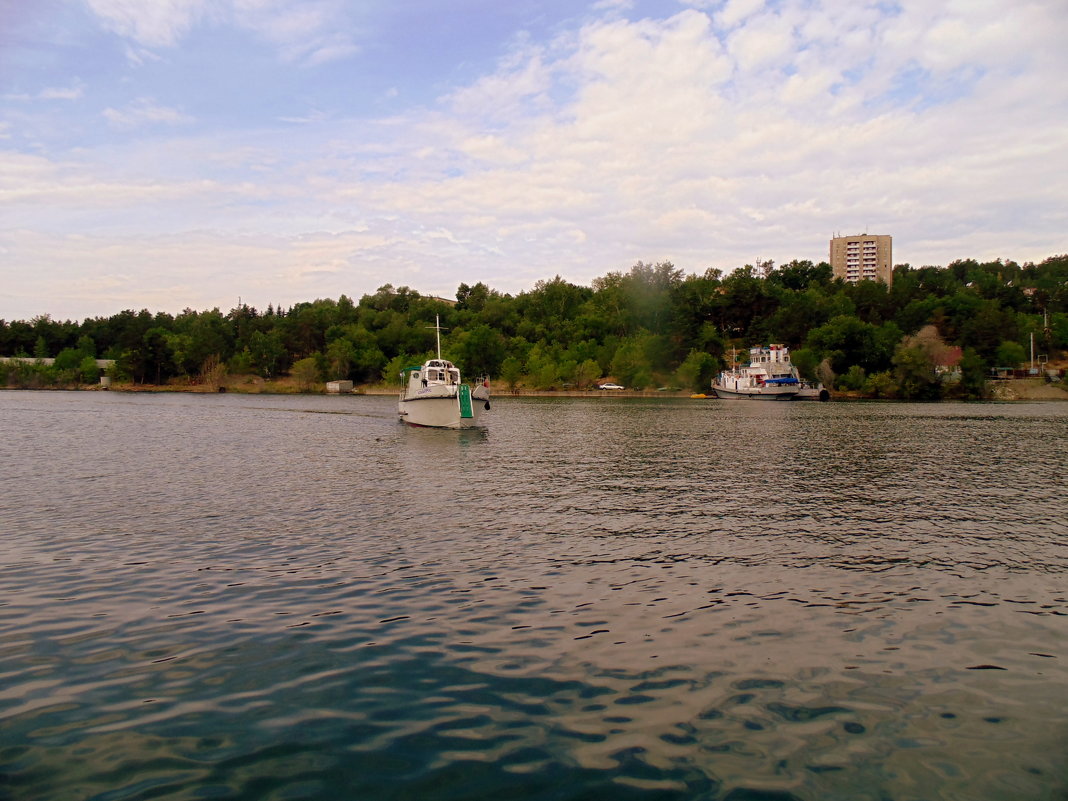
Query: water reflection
{"x": 289, "y": 597}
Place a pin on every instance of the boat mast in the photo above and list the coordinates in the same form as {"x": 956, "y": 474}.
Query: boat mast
{"x": 438, "y": 329}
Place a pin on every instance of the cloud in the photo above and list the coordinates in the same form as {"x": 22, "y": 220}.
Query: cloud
{"x": 99, "y": 275}
{"x": 737, "y": 11}
{"x": 73, "y": 92}
{"x": 63, "y": 93}
{"x": 516, "y": 89}
{"x": 709, "y": 137}
{"x": 139, "y": 56}
{"x": 145, "y": 111}
{"x": 613, "y": 5}
{"x": 310, "y": 32}
{"x": 159, "y": 23}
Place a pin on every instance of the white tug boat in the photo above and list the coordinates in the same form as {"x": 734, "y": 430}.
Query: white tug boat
{"x": 769, "y": 376}
{"x": 812, "y": 391}
{"x": 433, "y": 395}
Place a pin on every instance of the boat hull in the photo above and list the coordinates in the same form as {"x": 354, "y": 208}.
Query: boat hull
{"x": 813, "y": 394}
{"x": 450, "y": 411}
{"x": 755, "y": 393}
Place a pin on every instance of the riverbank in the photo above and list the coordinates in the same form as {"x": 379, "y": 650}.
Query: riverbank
{"x": 1027, "y": 389}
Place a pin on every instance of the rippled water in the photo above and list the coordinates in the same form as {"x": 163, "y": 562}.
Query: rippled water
{"x": 256, "y": 597}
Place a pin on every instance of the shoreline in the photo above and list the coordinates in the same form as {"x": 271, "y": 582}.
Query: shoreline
{"x": 1019, "y": 390}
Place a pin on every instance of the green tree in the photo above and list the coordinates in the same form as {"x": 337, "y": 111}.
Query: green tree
{"x": 241, "y": 363}
{"x": 973, "y": 376}
{"x": 511, "y": 372}
{"x": 696, "y": 371}
{"x": 306, "y": 373}
{"x": 88, "y": 372}
{"x": 1010, "y": 354}
{"x": 587, "y": 373}
{"x": 68, "y": 359}
{"x": 881, "y": 385}
{"x": 391, "y": 373}
{"x": 542, "y": 369}
{"x": 181, "y": 347}
{"x": 844, "y": 340}
{"x": 86, "y": 345}
{"x": 157, "y": 355}
{"x": 480, "y": 351}
{"x": 340, "y": 356}
{"x": 473, "y": 297}
{"x": 853, "y": 380}
{"x": 630, "y": 366}
{"x": 806, "y": 361}
{"x": 267, "y": 352}
{"x": 914, "y": 373}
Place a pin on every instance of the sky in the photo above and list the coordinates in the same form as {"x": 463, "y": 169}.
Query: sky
{"x": 173, "y": 154}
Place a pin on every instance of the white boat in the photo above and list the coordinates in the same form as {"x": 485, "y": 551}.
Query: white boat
{"x": 811, "y": 391}
{"x": 769, "y": 376}
{"x": 434, "y": 396}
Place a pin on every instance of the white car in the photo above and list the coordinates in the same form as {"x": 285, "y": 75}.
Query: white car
{"x": 609, "y": 386}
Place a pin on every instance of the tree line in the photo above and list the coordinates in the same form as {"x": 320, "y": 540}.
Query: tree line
{"x": 647, "y": 327}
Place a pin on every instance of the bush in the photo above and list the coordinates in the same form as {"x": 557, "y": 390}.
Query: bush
{"x": 88, "y": 371}
{"x": 696, "y": 371}
{"x": 853, "y": 380}
{"x": 881, "y": 385}
{"x": 306, "y": 373}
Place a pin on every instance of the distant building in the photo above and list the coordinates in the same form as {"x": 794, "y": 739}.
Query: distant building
{"x": 864, "y": 257}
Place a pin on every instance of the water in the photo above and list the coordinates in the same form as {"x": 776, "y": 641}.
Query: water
{"x": 267, "y": 597}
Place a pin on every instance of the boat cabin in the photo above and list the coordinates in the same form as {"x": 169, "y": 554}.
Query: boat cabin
{"x": 435, "y": 372}
{"x": 773, "y": 354}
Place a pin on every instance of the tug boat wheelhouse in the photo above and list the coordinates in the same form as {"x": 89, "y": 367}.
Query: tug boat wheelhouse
{"x": 769, "y": 376}
{"x": 434, "y": 396}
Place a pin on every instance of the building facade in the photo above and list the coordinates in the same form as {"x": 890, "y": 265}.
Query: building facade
{"x": 864, "y": 257}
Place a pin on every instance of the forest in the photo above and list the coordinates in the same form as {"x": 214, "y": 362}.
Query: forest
{"x": 935, "y": 332}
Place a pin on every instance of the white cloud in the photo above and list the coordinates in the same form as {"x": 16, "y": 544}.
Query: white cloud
{"x": 706, "y": 138}
{"x": 145, "y": 111}
{"x": 737, "y": 11}
{"x": 158, "y": 23}
{"x": 138, "y": 56}
{"x": 83, "y": 275}
{"x": 305, "y": 31}
{"x": 765, "y": 40}
{"x": 74, "y": 92}
{"x": 63, "y": 93}
{"x": 517, "y": 88}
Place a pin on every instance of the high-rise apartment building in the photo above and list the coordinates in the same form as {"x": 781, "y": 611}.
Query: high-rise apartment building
{"x": 865, "y": 257}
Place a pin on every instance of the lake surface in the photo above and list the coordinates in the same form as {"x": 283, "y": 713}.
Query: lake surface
{"x": 271, "y": 597}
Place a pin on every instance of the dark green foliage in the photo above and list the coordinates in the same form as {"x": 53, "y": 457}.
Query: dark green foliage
{"x": 649, "y": 326}
{"x": 696, "y": 371}
{"x": 630, "y": 365}
{"x": 972, "y": 384}
{"x": 914, "y": 374}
